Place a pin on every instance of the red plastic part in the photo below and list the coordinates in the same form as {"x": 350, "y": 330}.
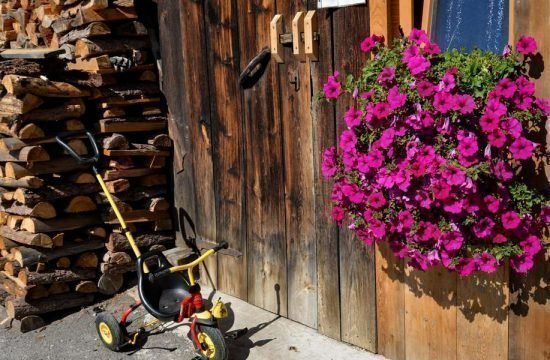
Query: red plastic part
{"x": 128, "y": 312}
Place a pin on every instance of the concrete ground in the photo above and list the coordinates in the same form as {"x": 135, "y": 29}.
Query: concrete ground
{"x": 269, "y": 337}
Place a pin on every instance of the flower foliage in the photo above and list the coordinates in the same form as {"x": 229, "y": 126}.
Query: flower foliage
{"x": 430, "y": 160}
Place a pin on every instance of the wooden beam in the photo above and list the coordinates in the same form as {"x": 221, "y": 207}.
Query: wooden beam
{"x": 379, "y": 11}
{"x": 406, "y": 15}
{"x": 428, "y": 11}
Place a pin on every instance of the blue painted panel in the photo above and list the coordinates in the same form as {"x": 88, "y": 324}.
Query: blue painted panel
{"x": 471, "y": 24}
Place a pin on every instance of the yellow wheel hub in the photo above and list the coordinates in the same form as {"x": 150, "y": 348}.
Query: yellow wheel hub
{"x": 209, "y": 349}
{"x": 105, "y": 332}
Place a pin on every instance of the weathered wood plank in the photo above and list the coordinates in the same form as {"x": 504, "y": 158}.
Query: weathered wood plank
{"x": 482, "y": 316}
{"x": 326, "y": 233}
{"x": 297, "y": 135}
{"x": 228, "y": 147}
{"x": 430, "y": 314}
{"x": 390, "y": 303}
{"x": 266, "y": 245}
{"x": 357, "y": 262}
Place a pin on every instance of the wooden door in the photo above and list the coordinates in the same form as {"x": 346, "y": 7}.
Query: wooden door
{"x": 251, "y": 159}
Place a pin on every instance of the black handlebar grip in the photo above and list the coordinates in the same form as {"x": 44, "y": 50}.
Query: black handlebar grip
{"x": 220, "y": 246}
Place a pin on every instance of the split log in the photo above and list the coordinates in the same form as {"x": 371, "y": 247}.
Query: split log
{"x": 21, "y": 67}
{"x": 71, "y": 109}
{"x": 15, "y": 171}
{"x": 78, "y": 147}
{"x": 30, "y": 323}
{"x": 63, "y": 263}
{"x": 80, "y": 204}
{"x": 153, "y": 180}
{"x": 158, "y": 204}
{"x": 53, "y": 192}
{"x": 92, "y": 30}
{"x": 33, "y": 225}
{"x": 58, "y": 288}
{"x": 117, "y": 186}
{"x": 58, "y": 240}
{"x": 26, "y": 256}
{"x": 27, "y": 238}
{"x": 118, "y": 242}
{"x": 86, "y": 48}
{"x": 83, "y": 178}
{"x": 136, "y": 216}
{"x": 87, "y": 260}
{"x": 86, "y": 287}
{"x": 152, "y": 123}
{"x": 115, "y": 142}
{"x": 32, "y": 278}
{"x": 131, "y": 89}
{"x": 42, "y": 210}
{"x": 26, "y": 154}
{"x": 12, "y": 268}
{"x": 13, "y": 105}
{"x": 14, "y": 222}
{"x": 98, "y": 231}
{"x": 111, "y": 269}
{"x": 17, "y": 85}
{"x": 119, "y": 258}
{"x": 59, "y": 165}
{"x": 110, "y": 284}
{"x": 6, "y": 244}
{"x": 30, "y": 132}
{"x": 117, "y": 174}
{"x": 29, "y": 182}
{"x": 18, "y": 308}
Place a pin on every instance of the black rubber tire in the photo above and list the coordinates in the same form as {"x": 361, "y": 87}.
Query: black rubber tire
{"x": 117, "y": 335}
{"x": 216, "y": 336}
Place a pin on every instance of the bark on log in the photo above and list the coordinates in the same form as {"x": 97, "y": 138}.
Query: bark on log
{"x": 59, "y": 224}
{"x": 26, "y": 256}
{"x": 110, "y": 284}
{"x": 13, "y": 105}
{"x": 30, "y": 323}
{"x": 32, "y": 278}
{"x": 27, "y": 238}
{"x": 86, "y": 287}
{"x": 58, "y": 288}
{"x": 87, "y": 260}
{"x": 26, "y": 154}
{"x": 42, "y": 210}
{"x": 118, "y": 242}
{"x": 29, "y": 182}
{"x": 53, "y": 192}
{"x": 92, "y": 30}
{"x": 18, "y": 308}
{"x": 86, "y": 48}
{"x": 80, "y": 204}
{"x": 115, "y": 142}
{"x": 17, "y": 85}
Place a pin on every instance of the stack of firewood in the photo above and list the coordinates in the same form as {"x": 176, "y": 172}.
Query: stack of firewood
{"x": 60, "y": 241}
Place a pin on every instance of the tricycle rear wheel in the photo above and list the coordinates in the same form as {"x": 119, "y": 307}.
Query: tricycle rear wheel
{"x": 109, "y": 331}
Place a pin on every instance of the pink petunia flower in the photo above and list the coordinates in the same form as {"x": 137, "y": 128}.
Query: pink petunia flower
{"x": 378, "y": 228}
{"x": 425, "y": 88}
{"x": 510, "y": 220}
{"x": 387, "y": 75}
{"x": 395, "y": 98}
{"x": 496, "y": 107}
{"x": 353, "y": 117}
{"x": 497, "y": 138}
{"x": 453, "y": 206}
{"x": 492, "y": 203}
{"x": 348, "y": 140}
{"x": 452, "y": 240}
{"x": 447, "y": 83}
{"x": 489, "y": 122}
{"x": 468, "y": 146}
{"x": 454, "y": 176}
{"x": 502, "y": 171}
{"x": 525, "y": 87}
{"x": 499, "y": 239}
{"x": 337, "y": 213}
{"x": 526, "y": 45}
{"x": 409, "y": 53}
{"x": 329, "y": 164}
{"x": 406, "y": 220}
{"x": 466, "y": 266}
{"x": 332, "y": 88}
{"x": 441, "y": 190}
{"x": 381, "y": 110}
{"x": 432, "y": 48}
{"x": 483, "y": 228}
{"x": 443, "y": 102}
{"x": 375, "y": 158}
{"x": 377, "y": 200}
{"x": 464, "y": 104}
{"x": 371, "y": 42}
{"x": 506, "y": 88}
{"x": 543, "y": 105}
{"x": 417, "y": 65}
{"x": 353, "y": 193}
{"x": 418, "y": 260}
{"x": 522, "y": 149}
{"x": 487, "y": 262}
{"x": 531, "y": 246}
{"x": 512, "y": 126}
{"x": 521, "y": 263}
{"x": 418, "y": 36}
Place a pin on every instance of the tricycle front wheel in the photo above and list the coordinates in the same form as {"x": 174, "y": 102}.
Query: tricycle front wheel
{"x": 212, "y": 342}
{"x": 109, "y": 331}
